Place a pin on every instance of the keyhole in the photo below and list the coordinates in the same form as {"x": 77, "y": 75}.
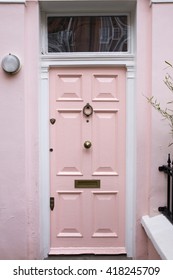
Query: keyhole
{"x": 87, "y": 120}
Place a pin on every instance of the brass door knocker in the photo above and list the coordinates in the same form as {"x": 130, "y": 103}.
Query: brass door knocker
{"x": 87, "y": 110}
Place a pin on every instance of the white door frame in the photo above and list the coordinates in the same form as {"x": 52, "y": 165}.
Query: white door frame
{"x": 87, "y": 60}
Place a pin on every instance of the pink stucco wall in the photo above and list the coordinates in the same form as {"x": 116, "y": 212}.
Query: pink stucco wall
{"x": 162, "y": 44}
{"x": 154, "y": 46}
{"x": 18, "y": 133}
{"x": 143, "y": 123}
{"x": 19, "y": 149}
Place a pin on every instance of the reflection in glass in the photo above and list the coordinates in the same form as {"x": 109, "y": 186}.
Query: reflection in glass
{"x": 88, "y": 34}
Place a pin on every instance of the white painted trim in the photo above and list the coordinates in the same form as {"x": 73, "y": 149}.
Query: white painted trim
{"x": 160, "y": 232}
{"x": 48, "y": 62}
{"x": 44, "y": 162}
{"x": 12, "y": 1}
{"x": 161, "y": 1}
{"x": 87, "y": 59}
{"x": 130, "y": 161}
{"x": 103, "y": 54}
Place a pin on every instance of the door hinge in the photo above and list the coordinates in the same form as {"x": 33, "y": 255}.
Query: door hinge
{"x": 52, "y": 203}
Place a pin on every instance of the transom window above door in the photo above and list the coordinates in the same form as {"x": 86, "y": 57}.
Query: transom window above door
{"x": 88, "y": 34}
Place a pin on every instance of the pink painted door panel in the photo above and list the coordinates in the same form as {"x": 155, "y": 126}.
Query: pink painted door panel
{"x": 88, "y": 216}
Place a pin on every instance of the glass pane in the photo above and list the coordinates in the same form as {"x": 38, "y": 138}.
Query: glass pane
{"x": 88, "y": 34}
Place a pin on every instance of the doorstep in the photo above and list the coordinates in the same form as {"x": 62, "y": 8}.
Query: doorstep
{"x": 88, "y": 257}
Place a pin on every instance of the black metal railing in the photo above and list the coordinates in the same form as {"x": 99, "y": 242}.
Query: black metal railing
{"x": 168, "y": 209}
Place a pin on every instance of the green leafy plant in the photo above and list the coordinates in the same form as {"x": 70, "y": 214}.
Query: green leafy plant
{"x": 165, "y": 112}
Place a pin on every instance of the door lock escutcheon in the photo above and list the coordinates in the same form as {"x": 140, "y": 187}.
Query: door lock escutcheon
{"x": 52, "y": 121}
{"x": 52, "y": 203}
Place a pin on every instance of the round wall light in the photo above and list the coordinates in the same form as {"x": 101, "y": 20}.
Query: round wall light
{"x": 10, "y": 64}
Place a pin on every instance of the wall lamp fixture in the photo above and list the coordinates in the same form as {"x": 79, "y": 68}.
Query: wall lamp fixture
{"x": 11, "y": 64}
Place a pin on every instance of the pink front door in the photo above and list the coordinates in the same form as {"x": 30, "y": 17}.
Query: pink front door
{"x": 87, "y": 160}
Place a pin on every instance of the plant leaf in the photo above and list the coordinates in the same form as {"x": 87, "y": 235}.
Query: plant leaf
{"x": 168, "y": 63}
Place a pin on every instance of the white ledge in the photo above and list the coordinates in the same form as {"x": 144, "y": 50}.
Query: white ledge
{"x": 12, "y": 1}
{"x": 87, "y": 59}
{"x": 160, "y": 232}
{"x": 161, "y": 1}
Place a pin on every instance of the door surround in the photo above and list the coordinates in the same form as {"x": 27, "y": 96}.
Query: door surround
{"x": 44, "y": 143}
{"x": 87, "y": 60}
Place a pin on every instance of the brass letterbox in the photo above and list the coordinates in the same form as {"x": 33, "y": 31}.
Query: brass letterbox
{"x": 87, "y": 184}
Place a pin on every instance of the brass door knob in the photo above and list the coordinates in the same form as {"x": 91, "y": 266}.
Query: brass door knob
{"x": 87, "y": 144}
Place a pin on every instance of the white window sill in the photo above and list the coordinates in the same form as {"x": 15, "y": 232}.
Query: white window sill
{"x": 160, "y": 232}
